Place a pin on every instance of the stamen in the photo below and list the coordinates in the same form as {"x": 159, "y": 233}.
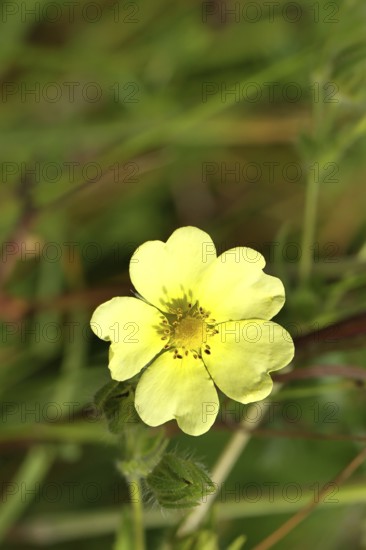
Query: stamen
{"x": 189, "y": 330}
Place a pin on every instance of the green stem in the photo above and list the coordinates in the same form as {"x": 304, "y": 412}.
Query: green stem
{"x": 311, "y": 204}
{"x": 31, "y": 473}
{"x": 134, "y": 486}
{"x": 312, "y": 190}
{"x": 131, "y": 530}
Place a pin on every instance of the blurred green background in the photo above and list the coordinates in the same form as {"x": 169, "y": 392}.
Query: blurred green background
{"x": 122, "y": 121}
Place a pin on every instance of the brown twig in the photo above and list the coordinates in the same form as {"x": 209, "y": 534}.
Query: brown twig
{"x": 297, "y": 518}
{"x": 318, "y": 371}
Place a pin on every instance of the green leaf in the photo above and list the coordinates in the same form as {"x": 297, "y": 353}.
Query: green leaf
{"x": 238, "y": 543}
{"x": 179, "y": 483}
{"x": 116, "y": 401}
{"x": 202, "y": 540}
{"x": 207, "y": 540}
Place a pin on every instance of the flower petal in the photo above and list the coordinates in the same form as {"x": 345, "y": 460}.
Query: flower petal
{"x": 242, "y": 355}
{"x": 177, "y": 388}
{"x": 164, "y": 273}
{"x": 234, "y": 287}
{"x": 132, "y": 326}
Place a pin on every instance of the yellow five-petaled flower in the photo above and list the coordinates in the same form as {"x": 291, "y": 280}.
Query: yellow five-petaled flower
{"x": 202, "y": 322}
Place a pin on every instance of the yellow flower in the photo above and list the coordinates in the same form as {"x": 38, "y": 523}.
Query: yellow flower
{"x": 202, "y": 321}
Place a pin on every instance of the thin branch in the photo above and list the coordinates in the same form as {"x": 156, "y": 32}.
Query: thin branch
{"x": 318, "y": 371}
{"x": 297, "y": 518}
{"x": 262, "y": 432}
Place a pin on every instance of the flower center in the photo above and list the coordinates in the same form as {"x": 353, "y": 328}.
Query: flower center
{"x": 187, "y": 329}
{"x": 190, "y": 333}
